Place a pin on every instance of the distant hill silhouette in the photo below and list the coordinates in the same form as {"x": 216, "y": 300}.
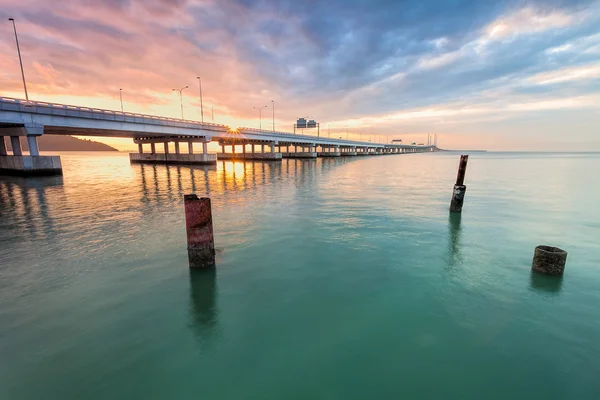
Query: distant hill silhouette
{"x": 64, "y": 143}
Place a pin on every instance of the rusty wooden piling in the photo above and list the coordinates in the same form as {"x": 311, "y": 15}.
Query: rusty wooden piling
{"x": 458, "y": 195}
{"x": 199, "y": 226}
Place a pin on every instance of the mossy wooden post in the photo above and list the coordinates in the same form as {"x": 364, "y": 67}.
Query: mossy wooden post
{"x": 458, "y": 195}
{"x": 200, "y": 239}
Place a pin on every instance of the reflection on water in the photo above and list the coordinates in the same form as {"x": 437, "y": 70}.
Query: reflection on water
{"x": 24, "y": 205}
{"x": 203, "y": 303}
{"x": 454, "y": 254}
{"x": 545, "y": 283}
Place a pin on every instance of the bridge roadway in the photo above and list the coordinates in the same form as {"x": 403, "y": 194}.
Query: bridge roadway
{"x": 21, "y": 118}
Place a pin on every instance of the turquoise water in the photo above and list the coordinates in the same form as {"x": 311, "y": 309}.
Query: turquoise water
{"x": 336, "y": 279}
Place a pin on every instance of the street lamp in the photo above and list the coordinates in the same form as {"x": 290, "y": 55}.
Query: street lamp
{"x": 212, "y": 111}
{"x": 121, "y": 96}
{"x": 181, "y": 97}
{"x": 20, "y": 61}
{"x": 201, "y": 108}
{"x": 260, "y": 116}
{"x": 272, "y": 101}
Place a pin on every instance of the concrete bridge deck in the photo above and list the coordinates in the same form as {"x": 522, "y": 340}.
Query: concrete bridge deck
{"x": 31, "y": 119}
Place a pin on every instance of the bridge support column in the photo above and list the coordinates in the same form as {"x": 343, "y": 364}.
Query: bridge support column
{"x": 348, "y": 151}
{"x": 3, "y": 151}
{"x": 271, "y": 155}
{"x": 204, "y": 148}
{"x": 300, "y": 151}
{"x": 32, "y": 164}
{"x": 140, "y": 148}
{"x": 176, "y": 158}
{"x": 16, "y": 146}
{"x": 33, "y": 145}
{"x": 329, "y": 151}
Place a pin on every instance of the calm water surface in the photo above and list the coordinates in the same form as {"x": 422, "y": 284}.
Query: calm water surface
{"x": 337, "y": 279}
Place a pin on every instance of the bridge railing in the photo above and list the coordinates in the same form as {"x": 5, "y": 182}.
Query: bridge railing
{"x": 315, "y": 139}
{"x": 31, "y": 106}
{"x": 324, "y": 140}
{"x": 12, "y": 104}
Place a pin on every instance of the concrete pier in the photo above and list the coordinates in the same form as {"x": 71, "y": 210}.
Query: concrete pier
{"x": 329, "y": 152}
{"x": 303, "y": 154}
{"x": 254, "y": 155}
{"x": 199, "y": 228}
{"x": 250, "y": 156}
{"x": 30, "y": 165}
{"x": 26, "y": 165}
{"x": 298, "y": 151}
{"x": 348, "y": 151}
{"x": 167, "y": 157}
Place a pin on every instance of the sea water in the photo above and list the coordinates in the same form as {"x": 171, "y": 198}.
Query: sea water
{"x": 337, "y": 278}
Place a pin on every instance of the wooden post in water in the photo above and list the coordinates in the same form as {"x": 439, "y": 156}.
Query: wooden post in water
{"x": 458, "y": 195}
{"x": 200, "y": 239}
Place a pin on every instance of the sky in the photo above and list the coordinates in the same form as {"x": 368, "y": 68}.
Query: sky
{"x": 496, "y": 75}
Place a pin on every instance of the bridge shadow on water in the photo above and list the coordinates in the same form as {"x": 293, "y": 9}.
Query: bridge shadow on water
{"x": 203, "y": 304}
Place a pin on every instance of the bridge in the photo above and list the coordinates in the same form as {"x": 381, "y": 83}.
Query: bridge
{"x": 21, "y": 119}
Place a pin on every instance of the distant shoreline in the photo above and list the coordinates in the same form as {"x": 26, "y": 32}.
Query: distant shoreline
{"x": 65, "y": 143}
{"x": 470, "y": 151}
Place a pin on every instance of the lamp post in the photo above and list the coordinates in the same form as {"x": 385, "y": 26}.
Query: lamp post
{"x": 201, "y": 108}
{"x": 212, "y": 111}
{"x": 121, "y": 97}
{"x": 20, "y": 60}
{"x": 273, "y": 101}
{"x": 260, "y": 116}
{"x": 181, "y": 97}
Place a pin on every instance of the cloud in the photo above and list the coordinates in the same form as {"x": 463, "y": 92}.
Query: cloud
{"x": 586, "y": 72}
{"x": 337, "y": 60}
